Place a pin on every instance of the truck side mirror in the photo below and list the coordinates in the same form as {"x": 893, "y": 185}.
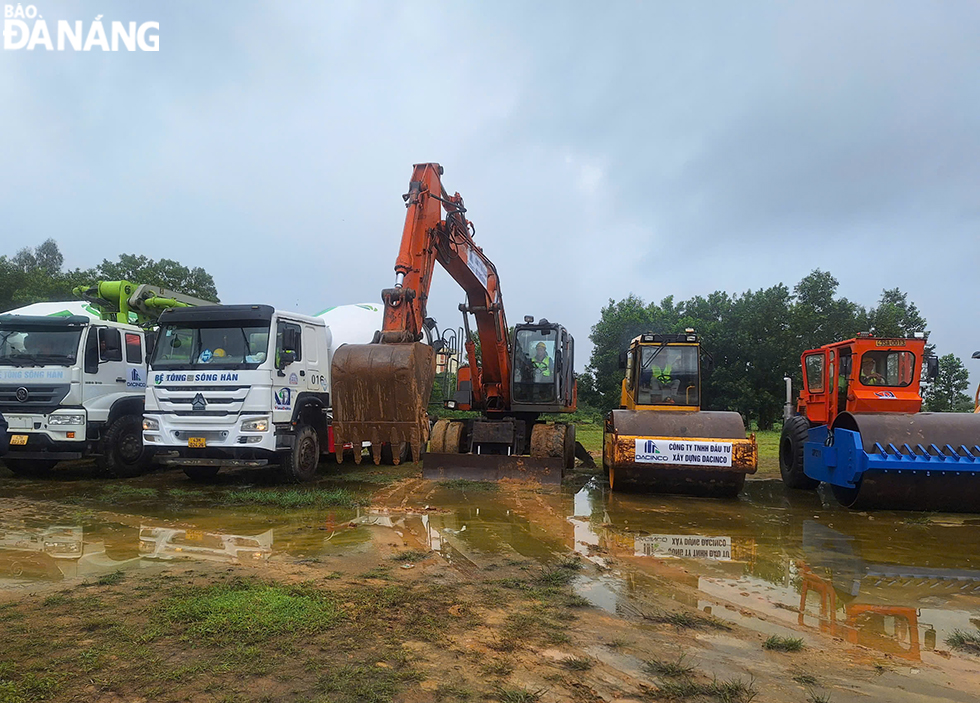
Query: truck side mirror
{"x": 286, "y": 358}
{"x": 932, "y": 368}
{"x": 622, "y": 359}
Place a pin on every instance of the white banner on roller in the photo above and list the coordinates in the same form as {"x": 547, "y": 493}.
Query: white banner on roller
{"x": 684, "y": 546}
{"x": 680, "y": 451}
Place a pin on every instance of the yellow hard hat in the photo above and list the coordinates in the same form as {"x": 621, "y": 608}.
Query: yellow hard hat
{"x": 219, "y": 352}
{"x": 541, "y": 346}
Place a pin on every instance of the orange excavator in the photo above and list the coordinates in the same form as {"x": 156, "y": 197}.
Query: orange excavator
{"x": 381, "y": 390}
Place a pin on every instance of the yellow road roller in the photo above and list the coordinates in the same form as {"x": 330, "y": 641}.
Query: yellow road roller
{"x": 659, "y": 440}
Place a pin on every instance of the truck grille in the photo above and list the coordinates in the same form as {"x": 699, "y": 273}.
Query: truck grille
{"x": 39, "y": 398}
{"x": 201, "y": 400}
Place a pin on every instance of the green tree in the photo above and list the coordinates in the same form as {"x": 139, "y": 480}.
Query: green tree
{"x": 165, "y": 272}
{"x": 946, "y": 393}
{"x": 35, "y": 275}
{"x": 754, "y": 338}
{"x": 895, "y": 316}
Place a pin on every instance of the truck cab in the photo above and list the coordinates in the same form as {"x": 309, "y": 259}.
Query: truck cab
{"x": 72, "y": 387}
{"x": 239, "y": 385}
{"x": 663, "y": 372}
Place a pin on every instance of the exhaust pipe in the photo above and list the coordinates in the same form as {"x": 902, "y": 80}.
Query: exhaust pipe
{"x": 788, "y": 409}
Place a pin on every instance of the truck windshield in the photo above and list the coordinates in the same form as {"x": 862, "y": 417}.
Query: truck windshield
{"x": 668, "y": 375}
{"x": 230, "y": 347}
{"x": 38, "y": 346}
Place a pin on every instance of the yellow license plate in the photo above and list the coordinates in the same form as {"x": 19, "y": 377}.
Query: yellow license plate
{"x": 18, "y": 439}
{"x": 197, "y": 442}
{"x": 194, "y": 535}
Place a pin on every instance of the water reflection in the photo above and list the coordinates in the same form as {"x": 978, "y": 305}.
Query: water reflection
{"x": 879, "y": 582}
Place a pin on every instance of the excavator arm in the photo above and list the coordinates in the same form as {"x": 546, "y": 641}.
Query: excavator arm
{"x": 381, "y": 391}
{"x": 428, "y": 238}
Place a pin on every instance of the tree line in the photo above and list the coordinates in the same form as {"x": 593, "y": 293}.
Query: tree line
{"x": 37, "y": 274}
{"x": 756, "y": 338}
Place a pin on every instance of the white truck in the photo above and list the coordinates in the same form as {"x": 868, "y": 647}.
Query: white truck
{"x": 71, "y": 386}
{"x": 246, "y": 385}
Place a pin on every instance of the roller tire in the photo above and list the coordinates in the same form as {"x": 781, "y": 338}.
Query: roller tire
{"x": 123, "y": 453}
{"x": 299, "y": 464}
{"x": 201, "y": 473}
{"x": 795, "y": 434}
{"x": 29, "y": 468}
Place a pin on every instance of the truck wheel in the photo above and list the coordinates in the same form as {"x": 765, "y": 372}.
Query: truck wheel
{"x": 201, "y": 473}
{"x": 123, "y": 453}
{"x": 299, "y": 463}
{"x": 795, "y": 434}
{"x": 30, "y": 467}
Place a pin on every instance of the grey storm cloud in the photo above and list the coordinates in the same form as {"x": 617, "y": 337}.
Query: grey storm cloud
{"x": 648, "y": 147}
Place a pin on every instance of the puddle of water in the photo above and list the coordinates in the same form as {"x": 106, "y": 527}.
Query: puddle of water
{"x": 772, "y": 561}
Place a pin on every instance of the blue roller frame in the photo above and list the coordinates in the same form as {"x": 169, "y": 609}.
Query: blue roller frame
{"x": 842, "y": 461}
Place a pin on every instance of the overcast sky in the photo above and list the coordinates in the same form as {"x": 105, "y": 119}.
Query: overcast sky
{"x": 602, "y": 148}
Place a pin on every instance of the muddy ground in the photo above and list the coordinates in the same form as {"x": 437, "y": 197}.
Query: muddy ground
{"x": 374, "y": 585}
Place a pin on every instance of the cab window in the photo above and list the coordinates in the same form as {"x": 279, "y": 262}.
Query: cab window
{"x": 134, "y": 350}
{"x": 110, "y": 344}
{"x": 289, "y": 338}
{"x": 893, "y": 369}
{"x": 668, "y": 375}
{"x": 814, "y": 373}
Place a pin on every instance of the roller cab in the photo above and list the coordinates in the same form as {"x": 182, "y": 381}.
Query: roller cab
{"x": 659, "y": 439}
{"x": 858, "y": 429}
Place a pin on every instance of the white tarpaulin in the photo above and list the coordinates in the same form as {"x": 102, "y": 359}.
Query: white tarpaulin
{"x": 685, "y": 452}
{"x": 685, "y": 546}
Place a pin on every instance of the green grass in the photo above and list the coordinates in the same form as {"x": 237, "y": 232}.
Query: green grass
{"x": 111, "y": 579}
{"x": 247, "y": 611}
{"x": 688, "y": 621}
{"x": 776, "y": 643}
{"x": 578, "y": 663}
{"x": 116, "y": 492}
{"x": 366, "y": 684}
{"x": 516, "y": 695}
{"x": 590, "y": 437}
{"x": 730, "y": 691}
{"x": 805, "y": 679}
{"x": 462, "y": 484}
{"x": 293, "y": 498}
{"x": 969, "y": 641}
{"x": 184, "y": 493}
{"x": 659, "y": 667}
{"x": 768, "y": 441}
{"x": 411, "y": 555}
{"x": 814, "y": 697}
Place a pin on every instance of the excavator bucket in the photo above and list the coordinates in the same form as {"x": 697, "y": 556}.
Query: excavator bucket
{"x": 380, "y": 395}
{"x": 899, "y": 461}
{"x": 703, "y": 453}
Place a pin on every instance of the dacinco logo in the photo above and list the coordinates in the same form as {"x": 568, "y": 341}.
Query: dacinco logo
{"x": 22, "y": 394}
{"x": 650, "y": 447}
{"x": 283, "y": 397}
{"x": 199, "y": 403}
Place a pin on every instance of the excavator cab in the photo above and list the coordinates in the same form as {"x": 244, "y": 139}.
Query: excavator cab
{"x": 660, "y": 439}
{"x": 542, "y": 379}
